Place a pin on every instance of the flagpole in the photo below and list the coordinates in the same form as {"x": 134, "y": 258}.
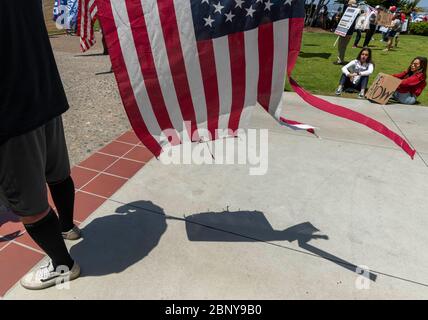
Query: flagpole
{"x": 337, "y": 39}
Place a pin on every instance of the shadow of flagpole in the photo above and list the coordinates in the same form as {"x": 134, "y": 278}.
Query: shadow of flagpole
{"x": 335, "y": 259}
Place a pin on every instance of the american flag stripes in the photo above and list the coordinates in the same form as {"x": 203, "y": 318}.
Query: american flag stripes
{"x": 85, "y": 23}
{"x": 196, "y": 66}
{"x": 203, "y": 62}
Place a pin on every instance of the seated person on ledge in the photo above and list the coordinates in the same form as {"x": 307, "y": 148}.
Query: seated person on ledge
{"x": 355, "y": 75}
{"x": 413, "y": 81}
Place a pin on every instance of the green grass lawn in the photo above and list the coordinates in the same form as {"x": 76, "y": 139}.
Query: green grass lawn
{"x": 316, "y": 72}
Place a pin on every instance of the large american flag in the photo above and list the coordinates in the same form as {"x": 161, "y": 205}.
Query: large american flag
{"x": 206, "y": 63}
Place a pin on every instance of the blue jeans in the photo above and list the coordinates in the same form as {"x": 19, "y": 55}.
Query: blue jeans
{"x": 404, "y": 98}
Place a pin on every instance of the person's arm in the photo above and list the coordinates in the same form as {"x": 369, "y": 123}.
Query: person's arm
{"x": 345, "y": 69}
{"x": 368, "y": 72}
{"x": 411, "y": 81}
{"x": 400, "y": 75}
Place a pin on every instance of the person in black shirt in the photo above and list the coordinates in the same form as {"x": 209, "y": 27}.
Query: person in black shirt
{"x": 372, "y": 26}
{"x": 33, "y": 150}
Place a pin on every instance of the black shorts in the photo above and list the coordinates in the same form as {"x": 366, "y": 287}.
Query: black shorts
{"x": 391, "y": 34}
{"x": 28, "y": 162}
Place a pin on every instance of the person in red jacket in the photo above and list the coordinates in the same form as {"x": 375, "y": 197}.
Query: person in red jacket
{"x": 413, "y": 81}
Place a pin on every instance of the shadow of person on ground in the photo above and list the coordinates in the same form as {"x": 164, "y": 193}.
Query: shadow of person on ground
{"x": 323, "y": 55}
{"x": 113, "y": 243}
{"x": 247, "y": 226}
{"x": 90, "y": 55}
{"x": 104, "y": 72}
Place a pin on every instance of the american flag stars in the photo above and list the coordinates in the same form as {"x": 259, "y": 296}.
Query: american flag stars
{"x": 268, "y": 4}
{"x": 250, "y": 11}
{"x": 218, "y": 7}
{"x": 229, "y": 16}
{"x": 230, "y": 10}
{"x": 239, "y": 3}
{"x": 209, "y": 21}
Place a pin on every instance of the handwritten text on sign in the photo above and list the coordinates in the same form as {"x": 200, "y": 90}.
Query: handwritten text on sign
{"x": 382, "y": 88}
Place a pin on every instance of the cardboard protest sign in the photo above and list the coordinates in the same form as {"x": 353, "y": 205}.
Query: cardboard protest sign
{"x": 347, "y": 20}
{"x": 384, "y": 18}
{"x": 382, "y": 88}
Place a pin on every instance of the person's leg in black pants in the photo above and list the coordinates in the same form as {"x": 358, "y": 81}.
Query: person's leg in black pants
{"x": 357, "y": 38}
{"x": 58, "y": 177}
{"x": 369, "y": 35}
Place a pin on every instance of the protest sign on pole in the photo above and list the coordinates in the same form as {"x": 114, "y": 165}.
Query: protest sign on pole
{"x": 347, "y": 20}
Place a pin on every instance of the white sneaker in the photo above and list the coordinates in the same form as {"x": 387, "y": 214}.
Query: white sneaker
{"x": 74, "y": 234}
{"x": 46, "y": 276}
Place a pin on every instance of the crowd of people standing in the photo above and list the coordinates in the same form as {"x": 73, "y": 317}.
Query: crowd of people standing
{"x": 355, "y": 74}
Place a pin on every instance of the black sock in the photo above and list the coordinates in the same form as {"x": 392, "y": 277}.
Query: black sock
{"x": 63, "y": 197}
{"x": 47, "y": 234}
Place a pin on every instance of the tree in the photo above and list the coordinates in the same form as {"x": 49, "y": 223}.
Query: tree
{"x": 312, "y": 11}
{"x": 344, "y": 2}
{"x": 373, "y": 3}
{"x": 407, "y": 6}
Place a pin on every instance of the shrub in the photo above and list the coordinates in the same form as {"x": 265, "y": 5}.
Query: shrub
{"x": 419, "y": 28}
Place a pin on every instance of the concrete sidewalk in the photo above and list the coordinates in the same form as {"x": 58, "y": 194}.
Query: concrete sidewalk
{"x": 325, "y": 206}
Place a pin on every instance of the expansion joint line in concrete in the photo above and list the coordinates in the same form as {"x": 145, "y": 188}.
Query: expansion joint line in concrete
{"x": 408, "y": 140}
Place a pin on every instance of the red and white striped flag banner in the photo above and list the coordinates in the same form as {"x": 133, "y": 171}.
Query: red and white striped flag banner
{"x": 295, "y": 125}
{"x": 85, "y": 23}
{"x": 207, "y": 63}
